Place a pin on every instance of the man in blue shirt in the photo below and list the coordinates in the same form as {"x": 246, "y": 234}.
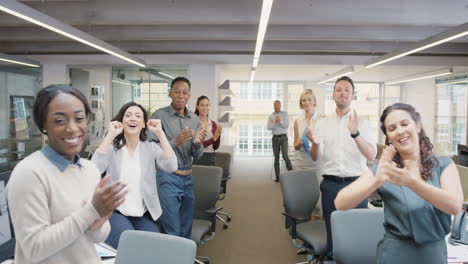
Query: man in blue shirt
{"x": 278, "y": 123}
{"x": 182, "y": 129}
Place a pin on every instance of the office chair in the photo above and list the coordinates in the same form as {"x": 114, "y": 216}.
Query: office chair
{"x": 206, "y": 187}
{"x": 301, "y": 192}
{"x": 142, "y": 247}
{"x": 356, "y": 233}
{"x": 223, "y": 160}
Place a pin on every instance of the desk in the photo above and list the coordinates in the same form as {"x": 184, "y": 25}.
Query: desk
{"x": 457, "y": 253}
{"x": 104, "y": 261}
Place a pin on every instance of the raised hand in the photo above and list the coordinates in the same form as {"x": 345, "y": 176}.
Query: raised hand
{"x": 115, "y": 128}
{"x": 353, "y": 122}
{"x": 312, "y": 136}
{"x": 107, "y": 197}
{"x": 386, "y": 167}
{"x": 200, "y": 136}
{"x": 218, "y": 132}
{"x": 154, "y": 125}
{"x": 185, "y": 135}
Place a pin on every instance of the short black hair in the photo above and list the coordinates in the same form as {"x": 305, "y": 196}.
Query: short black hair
{"x": 344, "y": 78}
{"x": 46, "y": 95}
{"x": 181, "y": 79}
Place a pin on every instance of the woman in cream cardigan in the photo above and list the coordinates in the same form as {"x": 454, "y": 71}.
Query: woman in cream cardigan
{"x": 126, "y": 154}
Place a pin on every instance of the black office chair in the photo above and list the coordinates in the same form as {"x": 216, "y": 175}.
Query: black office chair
{"x": 223, "y": 160}
{"x": 301, "y": 192}
{"x": 206, "y": 186}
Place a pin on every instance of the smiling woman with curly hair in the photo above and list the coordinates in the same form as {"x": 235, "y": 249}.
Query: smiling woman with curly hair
{"x": 420, "y": 191}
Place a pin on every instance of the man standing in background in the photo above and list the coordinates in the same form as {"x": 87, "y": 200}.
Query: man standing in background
{"x": 278, "y": 123}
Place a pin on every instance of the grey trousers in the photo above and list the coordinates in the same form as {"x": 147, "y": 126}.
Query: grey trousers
{"x": 281, "y": 142}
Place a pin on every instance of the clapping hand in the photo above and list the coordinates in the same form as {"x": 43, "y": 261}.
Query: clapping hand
{"x": 184, "y": 136}
{"x": 277, "y": 119}
{"x": 353, "y": 122}
{"x": 312, "y": 136}
{"x": 200, "y": 136}
{"x": 106, "y": 198}
{"x": 154, "y": 125}
{"x": 388, "y": 170}
{"x": 115, "y": 128}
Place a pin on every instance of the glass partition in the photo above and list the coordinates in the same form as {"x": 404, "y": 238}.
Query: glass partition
{"x": 19, "y": 135}
{"x": 146, "y": 86}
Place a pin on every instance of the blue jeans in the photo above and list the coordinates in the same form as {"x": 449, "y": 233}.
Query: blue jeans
{"x": 120, "y": 223}
{"x": 177, "y": 203}
{"x": 329, "y": 190}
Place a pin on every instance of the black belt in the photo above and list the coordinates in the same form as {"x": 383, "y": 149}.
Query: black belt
{"x": 282, "y": 135}
{"x": 340, "y": 179}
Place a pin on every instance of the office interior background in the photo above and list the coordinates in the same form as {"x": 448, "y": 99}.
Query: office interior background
{"x": 212, "y": 42}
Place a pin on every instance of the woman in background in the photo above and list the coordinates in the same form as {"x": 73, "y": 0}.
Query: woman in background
{"x": 214, "y": 130}
{"x": 59, "y": 205}
{"x": 302, "y": 160}
{"x": 420, "y": 191}
{"x": 127, "y": 155}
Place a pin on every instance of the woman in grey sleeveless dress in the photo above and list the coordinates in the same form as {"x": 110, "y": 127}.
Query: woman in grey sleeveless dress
{"x": 420, "y": 191}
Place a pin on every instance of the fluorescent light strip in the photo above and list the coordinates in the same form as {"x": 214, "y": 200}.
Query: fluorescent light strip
{"x": 19, "y": 62}
{"x": 252, "y": 76}
{"x": 167, "y": 75}
{"x": 421, "y": 76}
{"x": 124, "y": 83}
{"x": 336, "y": 75}
{"x": 32, "y": 20}
{"x": 264, "y": 17}
{"x": 432, "y": 41}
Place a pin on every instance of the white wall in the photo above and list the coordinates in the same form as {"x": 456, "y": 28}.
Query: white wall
{"x": 421, "y": 95}
{"x": 54, "y": 73}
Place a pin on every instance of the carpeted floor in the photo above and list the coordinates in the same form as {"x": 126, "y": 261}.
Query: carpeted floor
{"x": 256, "y": 233}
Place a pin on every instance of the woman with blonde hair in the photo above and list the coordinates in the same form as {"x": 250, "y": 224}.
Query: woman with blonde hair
{"x": 308, "y": 102}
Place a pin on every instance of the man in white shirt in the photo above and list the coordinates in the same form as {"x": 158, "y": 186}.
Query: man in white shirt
{"x": 278, "y": 123}
{"x": 343, "y": 142}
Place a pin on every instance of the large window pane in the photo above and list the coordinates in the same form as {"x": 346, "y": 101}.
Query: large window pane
{"x": 451, "y": 116}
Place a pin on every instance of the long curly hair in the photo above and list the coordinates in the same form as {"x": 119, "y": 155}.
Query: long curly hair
{"x": 119, "y": 141}
{"x": 425, "y": 146}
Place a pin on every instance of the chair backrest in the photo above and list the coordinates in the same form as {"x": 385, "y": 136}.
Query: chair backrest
{"x": 142, "y": 247}
{"x": 355, "y": 234}
{"x": 223, "y": 160}
{"x": 206, "y": 186}
{"x": 463, "y": 172}
{"x": 300, "y": 192}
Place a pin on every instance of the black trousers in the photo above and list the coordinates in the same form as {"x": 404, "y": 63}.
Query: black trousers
{"x": 281, "y": 142}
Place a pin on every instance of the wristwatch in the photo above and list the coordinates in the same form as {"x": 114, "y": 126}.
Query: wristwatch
{"x": 355, "y": 135}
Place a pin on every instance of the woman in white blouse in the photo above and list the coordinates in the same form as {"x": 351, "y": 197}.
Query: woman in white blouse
{"x": 126, "y": 154}
{"x": 302, "y": 159}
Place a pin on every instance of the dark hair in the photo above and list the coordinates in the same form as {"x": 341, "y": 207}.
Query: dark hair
{"x": 198, "y": 102}
{"x": 344, "y": 78}
{"x": 46, "y": 95}
{"x": 425, "y": 145}
{"x": 119, "y": 141}
{"x": 181, "y": 79}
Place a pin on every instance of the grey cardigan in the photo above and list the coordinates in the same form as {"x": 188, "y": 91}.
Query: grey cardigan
{"x": 149, "y": 153}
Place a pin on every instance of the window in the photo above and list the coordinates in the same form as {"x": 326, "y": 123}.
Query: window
{"x": 254, "y": 139}
{"x": 450, "y": 117}
{"x": 369, "y": 101}
{"x": 148, "y": 87}
{"x": 261, "y": 91}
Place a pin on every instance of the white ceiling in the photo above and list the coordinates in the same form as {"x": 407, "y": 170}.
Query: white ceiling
{"x": 296, "y": 27}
